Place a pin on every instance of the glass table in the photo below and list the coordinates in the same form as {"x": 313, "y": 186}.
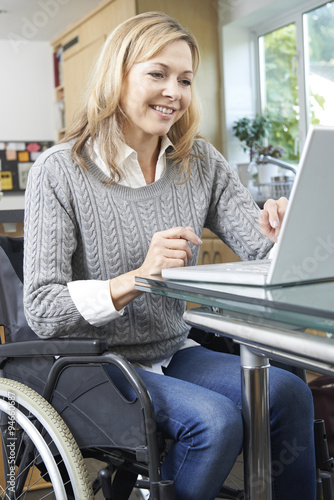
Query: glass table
{"x": 293, "y": 324}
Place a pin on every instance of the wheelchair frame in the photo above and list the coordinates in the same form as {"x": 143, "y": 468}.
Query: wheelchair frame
{"x": 143, "y": 459}
{"x": 86, "y": 352}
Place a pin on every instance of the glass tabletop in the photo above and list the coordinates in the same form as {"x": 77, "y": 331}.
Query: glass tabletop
{"x": 307, "y": 306}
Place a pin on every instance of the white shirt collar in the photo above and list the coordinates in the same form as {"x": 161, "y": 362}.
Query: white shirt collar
{"x": 131, "y": 173}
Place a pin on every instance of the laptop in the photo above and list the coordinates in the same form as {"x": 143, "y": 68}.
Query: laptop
{"x": 305, "y": 248}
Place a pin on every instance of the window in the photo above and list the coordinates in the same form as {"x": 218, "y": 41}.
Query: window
{"x": 319, "y": 64}
{"x": 296, "y": 62}
{"x": 279, "y": 94}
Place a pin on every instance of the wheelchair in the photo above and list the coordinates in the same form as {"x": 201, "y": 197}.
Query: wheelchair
{"x": 59, "y": 408}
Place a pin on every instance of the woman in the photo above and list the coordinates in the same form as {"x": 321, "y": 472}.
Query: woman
{"x": 127, "y": 194}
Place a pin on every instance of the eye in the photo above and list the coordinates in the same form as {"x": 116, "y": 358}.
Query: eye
{"x": 186, "y": 83}
{"x": 156, "y": 74}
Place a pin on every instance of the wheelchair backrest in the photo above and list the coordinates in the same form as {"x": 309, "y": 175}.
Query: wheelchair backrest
{"x": 12, "y": 316}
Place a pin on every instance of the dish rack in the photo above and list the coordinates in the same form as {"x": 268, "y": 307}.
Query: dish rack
{"x": 279, "y": 186}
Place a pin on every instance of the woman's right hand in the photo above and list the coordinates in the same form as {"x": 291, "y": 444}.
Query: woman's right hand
{"x": 169, "y": 248}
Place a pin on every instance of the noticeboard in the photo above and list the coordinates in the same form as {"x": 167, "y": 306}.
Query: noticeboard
{"x": 16, "y": 158}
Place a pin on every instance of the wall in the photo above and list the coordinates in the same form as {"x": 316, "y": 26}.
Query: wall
{"x": 251, "y": 12}
{"x": 231, "y": 10}
{"x": 239, "y": 96}
{"x": 26, "y": 99}
{"x": 238, "y": 88}
{"x": 26, "y": 92}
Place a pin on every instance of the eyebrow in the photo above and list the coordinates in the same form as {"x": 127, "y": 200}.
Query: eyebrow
{"x": 165, "y": 66}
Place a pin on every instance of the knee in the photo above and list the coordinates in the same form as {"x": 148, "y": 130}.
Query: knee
{"x": 291, "y": 398}
{"x": 223, "y": 425}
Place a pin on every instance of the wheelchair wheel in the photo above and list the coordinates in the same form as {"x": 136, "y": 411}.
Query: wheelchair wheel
{"x": 37, "y": 446}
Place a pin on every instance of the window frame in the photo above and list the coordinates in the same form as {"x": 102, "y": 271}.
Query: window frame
{"x": 295, "y": 15}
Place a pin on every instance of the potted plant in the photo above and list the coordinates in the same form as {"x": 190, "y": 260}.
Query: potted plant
{"x": 266, "y": 168}
{"x": 264, "y": 151}
{"x": 251, "y": 131}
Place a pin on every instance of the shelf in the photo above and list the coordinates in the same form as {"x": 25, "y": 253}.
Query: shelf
{"x": 11, "y": 215}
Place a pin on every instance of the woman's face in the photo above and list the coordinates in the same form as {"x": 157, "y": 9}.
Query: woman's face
{"x": 157, "y": 92}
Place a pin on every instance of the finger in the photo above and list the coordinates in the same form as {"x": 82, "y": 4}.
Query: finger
{"x": 264, "y": 216}
{"x": 188, "y": 234}
{"x": 172, "y": 263}
{"x": 265, "y": 226}
{"x": 264, "y": 219}
{"x": 177, "y": 255}
{"x": 177, "y": 246}
{"x": 271, "y": 208}
{"x": 282, "y": 205}
{"x": 164, "y": 247}
{"x": 185, "y": 233}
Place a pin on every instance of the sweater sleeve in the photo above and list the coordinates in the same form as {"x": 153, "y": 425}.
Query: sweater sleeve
{"x": 233, "y": 214}
{"x": 50, "y": 241}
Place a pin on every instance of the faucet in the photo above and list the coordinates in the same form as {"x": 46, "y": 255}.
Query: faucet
{"x": 275, "y": 161}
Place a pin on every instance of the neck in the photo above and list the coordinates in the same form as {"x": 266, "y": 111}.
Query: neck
{"x": 147, "y": 154}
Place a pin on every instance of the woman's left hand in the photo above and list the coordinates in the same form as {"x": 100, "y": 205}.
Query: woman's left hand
{"x": 271, "y": 217}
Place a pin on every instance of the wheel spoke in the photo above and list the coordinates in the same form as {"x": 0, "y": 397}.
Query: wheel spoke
{"x": 29, "y": 454}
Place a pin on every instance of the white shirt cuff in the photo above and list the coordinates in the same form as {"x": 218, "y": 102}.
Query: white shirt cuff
{"x": 272, "y": 251}
{"x": 93, "y": 300}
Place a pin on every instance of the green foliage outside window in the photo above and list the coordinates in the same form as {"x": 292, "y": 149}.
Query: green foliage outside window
{"x": 280, "y": 72}
{"x": 282, "y": 89}
{"x": 321, "y": 33}
{"x": 320, "y": 42}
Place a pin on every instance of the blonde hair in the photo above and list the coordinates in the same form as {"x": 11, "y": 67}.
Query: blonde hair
{"x": 137, "y": 39}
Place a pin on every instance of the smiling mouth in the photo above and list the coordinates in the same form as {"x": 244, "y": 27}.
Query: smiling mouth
{"x": 162, "y": 109}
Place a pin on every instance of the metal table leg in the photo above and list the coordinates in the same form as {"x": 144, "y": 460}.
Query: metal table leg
{"x": 255, "y": 397}
{"x": 255, "y": 410}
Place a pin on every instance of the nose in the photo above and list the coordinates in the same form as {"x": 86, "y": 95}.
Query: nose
{"x": 172, "y": 89}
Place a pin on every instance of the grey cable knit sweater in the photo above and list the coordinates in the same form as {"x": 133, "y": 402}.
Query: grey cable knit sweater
{"x": 79, "y": 227}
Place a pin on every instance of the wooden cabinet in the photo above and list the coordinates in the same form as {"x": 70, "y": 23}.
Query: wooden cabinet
{"x": 214, "y": 251}
{"x": 78, "y": 46}
{"x": 77, "y": 49}
{"x": 76, "y": 68}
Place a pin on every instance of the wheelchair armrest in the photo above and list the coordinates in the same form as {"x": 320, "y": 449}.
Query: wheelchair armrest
{"x": 54, "y": 347}
{"x": 137, "y": 384}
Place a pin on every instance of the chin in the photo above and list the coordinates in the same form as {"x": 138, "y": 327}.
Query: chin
{"x": 163, "y": 130}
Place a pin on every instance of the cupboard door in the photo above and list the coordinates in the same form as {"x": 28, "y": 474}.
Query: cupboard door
{"x": 76, "y": 71}
{"x": 222, "y": 253}
{"x": 205, "y": 253}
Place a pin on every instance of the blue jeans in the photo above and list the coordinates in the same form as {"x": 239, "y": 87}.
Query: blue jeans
{"x": 198, "y": 404}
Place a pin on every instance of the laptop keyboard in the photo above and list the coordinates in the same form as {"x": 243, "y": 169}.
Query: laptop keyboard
{"x": 255, "y": 267}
